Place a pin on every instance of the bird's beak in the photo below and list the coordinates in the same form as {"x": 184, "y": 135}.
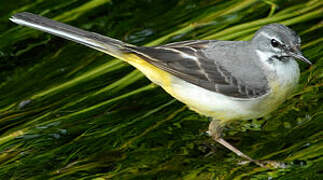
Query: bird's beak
{"x": 297, "y": 54}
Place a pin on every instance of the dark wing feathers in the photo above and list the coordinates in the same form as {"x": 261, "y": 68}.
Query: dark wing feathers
{"x": 187, "y": 61}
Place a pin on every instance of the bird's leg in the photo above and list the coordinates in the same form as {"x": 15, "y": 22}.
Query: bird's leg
{"x": 215, "y": 130}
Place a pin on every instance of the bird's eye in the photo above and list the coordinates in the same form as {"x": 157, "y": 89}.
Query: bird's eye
{"x": 274, "y": 43}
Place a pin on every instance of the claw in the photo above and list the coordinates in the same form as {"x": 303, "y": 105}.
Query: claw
{"x": 273, "y": 164}
{"x": 266, "y": 164}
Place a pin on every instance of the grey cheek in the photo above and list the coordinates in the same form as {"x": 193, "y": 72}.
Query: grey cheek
{"x": 266, "y": 47}
{"x": 271, "y": 60}
{"x": 279, "y": 51}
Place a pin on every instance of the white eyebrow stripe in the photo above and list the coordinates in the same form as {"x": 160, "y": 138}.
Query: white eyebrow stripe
{"x": 266, "y": 35}
{"x": 270, "y": 37}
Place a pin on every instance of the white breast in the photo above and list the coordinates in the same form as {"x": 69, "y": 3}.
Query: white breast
{"x": 283, "y": 80}
{"x": 282, "y": 77}
{"x": 214, "y": 104}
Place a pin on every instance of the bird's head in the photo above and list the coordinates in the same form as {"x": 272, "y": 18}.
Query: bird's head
{"x": 278, "y": 42}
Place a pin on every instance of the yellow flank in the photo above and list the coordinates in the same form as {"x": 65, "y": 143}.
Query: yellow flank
{"x": 156, "y": 75}
{"x": 163, "y": 79}
{"x": 278, "y": 95}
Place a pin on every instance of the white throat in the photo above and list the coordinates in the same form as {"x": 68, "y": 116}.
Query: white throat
{"x": 282, "y": 76}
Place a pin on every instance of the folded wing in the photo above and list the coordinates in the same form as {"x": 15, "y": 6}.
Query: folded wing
{"x": 187, "y": 61}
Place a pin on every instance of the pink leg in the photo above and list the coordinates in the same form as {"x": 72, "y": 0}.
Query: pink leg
{"x": 215, "y": 131}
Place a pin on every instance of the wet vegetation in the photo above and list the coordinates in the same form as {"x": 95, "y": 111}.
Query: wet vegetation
{"x": 70, "y": 112}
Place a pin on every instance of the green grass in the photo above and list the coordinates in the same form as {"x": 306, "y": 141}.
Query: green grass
{"x": 69, "y": 112}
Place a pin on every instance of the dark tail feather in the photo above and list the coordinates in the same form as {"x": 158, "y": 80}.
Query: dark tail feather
{"x": 93, "y": 40}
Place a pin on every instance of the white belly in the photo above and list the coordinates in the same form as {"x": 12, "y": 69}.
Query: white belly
{"x": 225, "y": 108}
{"x": 213, "y": 104}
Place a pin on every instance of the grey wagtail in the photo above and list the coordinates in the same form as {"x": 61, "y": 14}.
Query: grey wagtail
{"x": 224, "y": 80}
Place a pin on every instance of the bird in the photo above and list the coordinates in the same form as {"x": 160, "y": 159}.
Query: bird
{"x": 223, "y": 80}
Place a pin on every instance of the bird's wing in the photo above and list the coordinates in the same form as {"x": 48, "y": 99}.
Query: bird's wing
{"x": 186, "y": 60}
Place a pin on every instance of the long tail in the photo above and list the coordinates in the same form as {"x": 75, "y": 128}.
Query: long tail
{"x": 96, "y": 41}
{"x": 93, "y": 40}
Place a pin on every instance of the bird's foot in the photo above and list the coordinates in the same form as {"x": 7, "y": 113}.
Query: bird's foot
{"x": 208, "y": 149}
{"x": 266, "y": 164}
